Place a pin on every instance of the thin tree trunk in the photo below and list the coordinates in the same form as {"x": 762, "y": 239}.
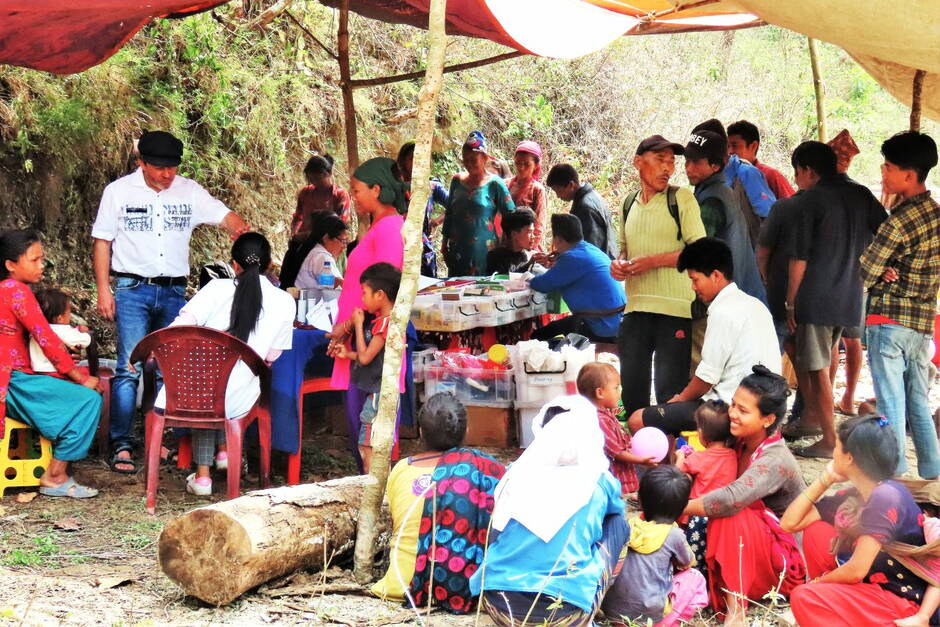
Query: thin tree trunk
{"x": 384, "y": 425}
{"x": 818, "y": 88}
{"x": 349, "y": 105}
{"x": 916, "y": 94}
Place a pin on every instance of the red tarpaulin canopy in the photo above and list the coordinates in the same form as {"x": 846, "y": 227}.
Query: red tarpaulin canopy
{"x": 889, "y": 39}
{"x": 66, "y": 36}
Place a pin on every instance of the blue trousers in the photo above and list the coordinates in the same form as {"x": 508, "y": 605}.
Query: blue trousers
{"x": 140, "y": 309}
{"x": 63, "y": 412}
{"x": 899, "y": 361}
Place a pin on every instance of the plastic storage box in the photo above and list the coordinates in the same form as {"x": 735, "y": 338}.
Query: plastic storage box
{"x": 472, "y": 386}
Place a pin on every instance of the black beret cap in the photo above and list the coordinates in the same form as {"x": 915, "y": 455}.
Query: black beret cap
{"x": 160, "y": 148}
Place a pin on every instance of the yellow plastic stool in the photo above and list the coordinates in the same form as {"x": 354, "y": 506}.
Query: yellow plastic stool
{"x": 692, "y": 438}
{"x": 16, "y": 469}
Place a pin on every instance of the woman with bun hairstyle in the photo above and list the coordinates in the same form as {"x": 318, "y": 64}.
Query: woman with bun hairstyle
{"x": 850, "y": 538}
{"x": 746, "y": 549}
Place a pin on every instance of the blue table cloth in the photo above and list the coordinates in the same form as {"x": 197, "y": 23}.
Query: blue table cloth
{"x": 307, "y": 358}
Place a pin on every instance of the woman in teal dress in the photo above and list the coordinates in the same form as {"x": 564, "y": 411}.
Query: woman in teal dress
{"x": 476, "y": 198}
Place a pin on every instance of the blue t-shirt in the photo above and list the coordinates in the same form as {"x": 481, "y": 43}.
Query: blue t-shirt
{"x": 568, "y": 568}
{"x": 582, "y": 275}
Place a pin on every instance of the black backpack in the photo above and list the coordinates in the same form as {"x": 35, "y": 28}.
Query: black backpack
{"x": 671, "y": 202}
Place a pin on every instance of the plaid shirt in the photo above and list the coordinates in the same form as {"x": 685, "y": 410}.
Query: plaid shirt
{"x": 909, "y": 241}
{"x": 617, "y": 440}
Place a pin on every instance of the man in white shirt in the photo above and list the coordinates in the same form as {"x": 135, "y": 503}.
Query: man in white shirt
{"x": 141, "y": 237}
{"x": 740, "y": 335}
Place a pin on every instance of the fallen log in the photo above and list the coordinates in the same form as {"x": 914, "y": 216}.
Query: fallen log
{"x": 218, "y": 552}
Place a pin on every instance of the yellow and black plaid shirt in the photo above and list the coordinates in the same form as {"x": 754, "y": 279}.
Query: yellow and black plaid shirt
{"x": 909, "y": 241}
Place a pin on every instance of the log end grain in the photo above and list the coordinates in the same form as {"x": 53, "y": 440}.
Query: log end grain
{"x": 204, "y": 553}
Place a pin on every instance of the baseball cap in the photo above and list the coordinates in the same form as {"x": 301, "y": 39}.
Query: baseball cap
{"x": 160, "y": 148}
{"x": 707, "y": 145}
{"x": 658, "y": 142}
{"x": 712, "y": 124}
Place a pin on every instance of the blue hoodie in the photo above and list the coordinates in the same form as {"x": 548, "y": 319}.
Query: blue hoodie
{"x": 755, "y": 185}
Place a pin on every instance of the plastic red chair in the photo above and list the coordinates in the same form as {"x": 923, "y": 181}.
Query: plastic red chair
{"x": 196, "y": 363}
{"x": 309, "y": 386}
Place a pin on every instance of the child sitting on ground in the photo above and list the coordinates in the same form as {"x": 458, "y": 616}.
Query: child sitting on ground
{"x": 710, "y": 469}
{"x": 379, "y": 288}
{"x": 656, "y": 582}
{"x": 57, "y": 308}
{"x": 600, "y": 384}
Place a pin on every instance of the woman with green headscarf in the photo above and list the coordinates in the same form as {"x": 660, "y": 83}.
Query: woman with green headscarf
{"x": 378, "y": 194}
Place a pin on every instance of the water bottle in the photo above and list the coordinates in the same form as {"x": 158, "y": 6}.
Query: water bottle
{"x": 326, "y": 279}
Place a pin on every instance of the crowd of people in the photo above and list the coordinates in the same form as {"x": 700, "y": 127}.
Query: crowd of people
{"x": 701, "y": 290}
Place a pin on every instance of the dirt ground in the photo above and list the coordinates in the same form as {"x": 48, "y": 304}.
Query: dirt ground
{"x": 93, "y": 562}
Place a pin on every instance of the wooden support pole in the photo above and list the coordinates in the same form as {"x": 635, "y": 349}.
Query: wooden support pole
{"x": 916, "y": 95}
{"x": 818, "y": 88}
{"x": 349, "y": 105}
{"x": 385, "y": 80}
{"x": 384, "y": 426}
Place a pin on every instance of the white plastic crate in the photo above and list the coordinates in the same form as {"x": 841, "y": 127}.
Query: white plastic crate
{"x": 525, "y": 418}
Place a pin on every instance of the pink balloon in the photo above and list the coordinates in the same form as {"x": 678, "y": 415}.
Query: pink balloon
{"x": 650, "y": 442}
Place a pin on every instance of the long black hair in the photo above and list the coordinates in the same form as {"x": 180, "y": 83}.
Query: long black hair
{"x": 771, "y": 391}
{"x": 13, "y": 245}
{"x": 873, "y": 445}
{"x": 253, "y": 253}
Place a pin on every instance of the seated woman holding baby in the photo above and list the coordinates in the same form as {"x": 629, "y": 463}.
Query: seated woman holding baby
{"x": 63, "y": 407}
{"x": 440, "y": 498}
{"x": 747, "y": 552}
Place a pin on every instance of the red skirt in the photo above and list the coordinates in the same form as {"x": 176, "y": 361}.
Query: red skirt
{"x": 817, "y": 547}
{"x": 746, "y": 554}
{"x": 848, "y": 605}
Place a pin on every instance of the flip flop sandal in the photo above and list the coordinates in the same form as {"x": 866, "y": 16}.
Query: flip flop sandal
{"x": 71, "y": 489}
{"x": 126, "y": 461}
{"x": 812, "y": 452}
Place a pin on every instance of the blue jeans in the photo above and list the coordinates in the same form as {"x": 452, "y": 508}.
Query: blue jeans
{"x": 898, "y": 357}
{"x": 140, "y": 309}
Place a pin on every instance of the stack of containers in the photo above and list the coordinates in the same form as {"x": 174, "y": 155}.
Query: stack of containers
{"x": 485, "y": 388}
{"x": 541, "y": 375}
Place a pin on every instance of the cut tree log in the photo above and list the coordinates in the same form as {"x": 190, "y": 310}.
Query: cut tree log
{"x": 217, "y": 553}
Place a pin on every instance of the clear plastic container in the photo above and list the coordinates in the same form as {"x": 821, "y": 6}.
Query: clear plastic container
{"x": 471, "y": 386}
{"x": 419, "y": 360}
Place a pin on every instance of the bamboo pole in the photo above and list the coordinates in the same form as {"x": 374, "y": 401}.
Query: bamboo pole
{"x": 384, "y": 425}
{"x": 818, "y": 88}
{"x": 916, "y": 94}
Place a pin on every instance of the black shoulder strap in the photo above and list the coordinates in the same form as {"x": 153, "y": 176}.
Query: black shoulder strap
{"x": 628, "y": 204}
{"x": 671, "y": 202}
{"x": 673, "y": 205}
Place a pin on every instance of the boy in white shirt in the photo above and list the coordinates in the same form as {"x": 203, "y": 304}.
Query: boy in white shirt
{"x": 57, "y": 308}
